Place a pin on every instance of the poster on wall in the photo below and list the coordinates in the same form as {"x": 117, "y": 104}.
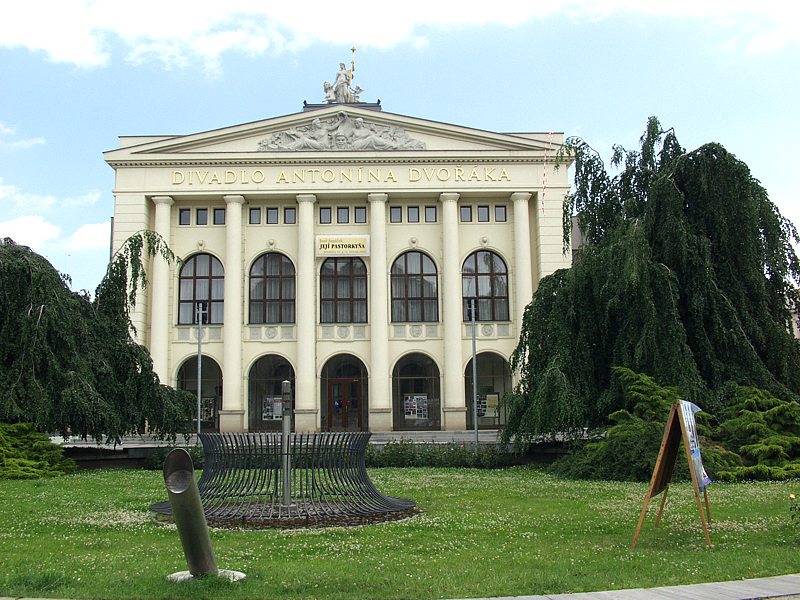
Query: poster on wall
{"x": 481, "y": 406}
{"x": 492, "y": 403}
{"x": 207, "y": 409}
{"x": 415, "y": 406}
{"x": 271, "y": 408}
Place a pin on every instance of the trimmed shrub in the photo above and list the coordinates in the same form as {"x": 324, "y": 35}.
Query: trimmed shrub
{"x": 27, "y": 454}
{"x": 410, "y": 454}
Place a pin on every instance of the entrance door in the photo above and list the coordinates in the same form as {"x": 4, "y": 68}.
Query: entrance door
{"x": 344, "y": 405}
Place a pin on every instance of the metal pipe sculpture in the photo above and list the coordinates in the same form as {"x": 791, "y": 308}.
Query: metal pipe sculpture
{"x": 187, "y": 510}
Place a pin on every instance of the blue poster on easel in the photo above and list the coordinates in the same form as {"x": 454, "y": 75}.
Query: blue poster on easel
{"x": 688, "y": 409}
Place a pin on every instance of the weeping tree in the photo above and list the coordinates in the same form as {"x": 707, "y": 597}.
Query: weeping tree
{"x": 688, "y": 274}
{"x": 68, "y": 363}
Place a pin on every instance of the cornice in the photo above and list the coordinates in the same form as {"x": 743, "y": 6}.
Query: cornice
{"x": 328, "y": 160}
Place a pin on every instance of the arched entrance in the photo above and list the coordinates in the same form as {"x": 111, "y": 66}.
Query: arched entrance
{"x": 415, "y": 393}
{"x": 265, "y": 406}
{"x": 494, "y": 380}
{"x": 210, "y": 389}
{"x": 344, "y": 399}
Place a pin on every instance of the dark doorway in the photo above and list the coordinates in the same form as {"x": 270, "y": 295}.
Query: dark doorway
{"x": 344, "y": 405}
{"x": 344, "y": 390}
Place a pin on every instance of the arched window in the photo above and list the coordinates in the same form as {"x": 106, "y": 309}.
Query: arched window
{"x": 415, "y": 294}
{"x": 484, "y": 276}
{"x": 210, "y": 389}
{"x": 272, "y": 289}
{"x": 343, "y": 291}
{"x": 415, "y": 393}
{"x": 201, "y": 280}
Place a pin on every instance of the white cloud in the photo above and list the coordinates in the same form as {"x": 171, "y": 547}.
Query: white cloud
{"x": 92, "y": 236}
{"x": 9, "y": 131}
{"x": 180, "y": 32}
{"x": 30, "y": 230}
{"x": 41, "y": 203}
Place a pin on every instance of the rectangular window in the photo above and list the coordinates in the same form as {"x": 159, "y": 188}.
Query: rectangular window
{"x": 430, "y": 214}
{"x": 290, "y": 215}
{"x": 202, "y": 216}
{"x": 219, "y": 216}
{"x": 325, "y": 215}
{"x": 342, "y": 214}
{"x": 395, "y": 214}
{"x": 466, "y": 214}
{"x": 360, "y": 214}
{"x": 255, "y": 216}
{"x": 413, "y": 214}
{"x": 500, "y": 213}
{"x": 185, "y": 216}
{"x": 272, "y": 216}
{"x": 483, "y": 214}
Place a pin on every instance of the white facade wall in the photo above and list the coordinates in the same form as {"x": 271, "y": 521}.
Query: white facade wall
{"x": 224, "y": 169}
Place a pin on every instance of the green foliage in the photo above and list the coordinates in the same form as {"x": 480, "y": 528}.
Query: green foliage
{"x": 753, "y": 438}
{"x": 27, "y": 454}
{"x": 154, "y": 461}
{"x": 627, "y": 451}
{"x": 764, "y": 430}
{"x": 688, "y": 275}
{"x": 410, "y": 454}
{"x": 68, "y": 363}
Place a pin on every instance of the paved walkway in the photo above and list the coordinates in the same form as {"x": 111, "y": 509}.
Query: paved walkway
{"x": 785, "y": 586}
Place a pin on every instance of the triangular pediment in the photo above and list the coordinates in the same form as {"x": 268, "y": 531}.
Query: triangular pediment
{"x": 334, "y": 129}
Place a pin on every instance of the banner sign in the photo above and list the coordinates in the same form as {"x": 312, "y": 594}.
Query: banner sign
{"x": 342, "y": 245}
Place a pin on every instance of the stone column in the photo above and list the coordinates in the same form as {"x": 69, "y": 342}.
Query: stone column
{"x": 159, "y": 323}
{"x": 380, "y": 389}
{"x": 231, "y": 416}
{"x": 453, "y": 407}
{"x": 306, "y": 395}
{"x": 522, "y": 257}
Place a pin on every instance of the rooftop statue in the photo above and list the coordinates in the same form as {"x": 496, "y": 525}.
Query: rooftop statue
{"x": 342, "y": 90}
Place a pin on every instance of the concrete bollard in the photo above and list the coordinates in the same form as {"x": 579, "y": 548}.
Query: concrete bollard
{"x": 187, "y": 510}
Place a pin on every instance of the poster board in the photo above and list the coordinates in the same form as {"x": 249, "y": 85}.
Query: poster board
{"x": 272, "y": 408}
{"x": 681, "y": 426}
{"x": 415, "y": 406}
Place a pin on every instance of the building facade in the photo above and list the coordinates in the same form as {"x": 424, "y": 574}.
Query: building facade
{"x": 341, "y": 248}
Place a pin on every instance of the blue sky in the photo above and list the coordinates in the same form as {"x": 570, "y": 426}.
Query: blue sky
{"x": 76, "y": 74}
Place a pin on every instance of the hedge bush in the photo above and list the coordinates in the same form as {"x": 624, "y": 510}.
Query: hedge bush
{"x": 27, "y": 454}
{"x": 406, "y": 453}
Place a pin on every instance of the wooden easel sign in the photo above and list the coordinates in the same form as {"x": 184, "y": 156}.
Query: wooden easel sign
{"x": 680, "y": 426}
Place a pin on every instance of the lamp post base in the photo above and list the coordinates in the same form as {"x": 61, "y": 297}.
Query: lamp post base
{"x": 231, "y": 576}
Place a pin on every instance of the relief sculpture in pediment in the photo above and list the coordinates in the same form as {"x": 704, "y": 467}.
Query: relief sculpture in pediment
{"x": 340, "y": 133}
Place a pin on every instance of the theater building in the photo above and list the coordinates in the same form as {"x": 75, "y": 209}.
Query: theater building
{"x": 339, "y": 248}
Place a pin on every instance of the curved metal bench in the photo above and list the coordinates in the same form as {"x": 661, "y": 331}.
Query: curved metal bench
{"x": 242, "y": 484}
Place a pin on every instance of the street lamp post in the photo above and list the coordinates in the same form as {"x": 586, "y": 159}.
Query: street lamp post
{"x": 474, "y": 372}
{"x": 200, "y": 313}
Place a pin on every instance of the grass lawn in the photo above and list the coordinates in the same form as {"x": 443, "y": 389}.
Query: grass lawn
{"x": 481, "y": 533}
